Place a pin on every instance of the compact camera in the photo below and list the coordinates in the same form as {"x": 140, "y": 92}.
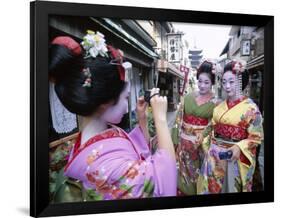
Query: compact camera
{"x": 147, "y": 95}
{"x": 225, "y": 155}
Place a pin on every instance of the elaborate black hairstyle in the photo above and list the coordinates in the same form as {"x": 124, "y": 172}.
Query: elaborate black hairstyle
{"x": 206, "y": 67}
{"x": 66, "y": 69}
{"x": 244, "y": 75}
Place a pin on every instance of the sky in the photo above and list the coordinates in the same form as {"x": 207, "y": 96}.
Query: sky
{"x": 211, "y": 38}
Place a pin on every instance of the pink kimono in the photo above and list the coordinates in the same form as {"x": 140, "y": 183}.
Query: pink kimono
{"x": 117, "y": 165}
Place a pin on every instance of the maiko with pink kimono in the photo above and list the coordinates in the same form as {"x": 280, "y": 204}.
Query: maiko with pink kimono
{"x": 237, "y": 130}
{"x": 115, "y": 165}
{"x": 107, "y": 162}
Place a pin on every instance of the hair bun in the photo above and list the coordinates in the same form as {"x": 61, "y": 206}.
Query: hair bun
{"x": 207, "y": 66}
{"x": 65, "y": 59}
{"x": 69, "y": 43}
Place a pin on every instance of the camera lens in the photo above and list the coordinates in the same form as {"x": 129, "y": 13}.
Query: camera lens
{"x": 147, "y": 96}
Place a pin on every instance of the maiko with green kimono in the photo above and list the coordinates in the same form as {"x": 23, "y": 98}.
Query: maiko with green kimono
{"x": 192, "y": 119}
{"x": 237, "y": 130}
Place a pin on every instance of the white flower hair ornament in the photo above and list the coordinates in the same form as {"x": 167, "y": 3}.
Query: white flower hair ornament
{"x": 94, "y": 44}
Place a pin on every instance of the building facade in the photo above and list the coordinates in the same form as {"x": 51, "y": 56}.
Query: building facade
{"x": 247, "y": 43}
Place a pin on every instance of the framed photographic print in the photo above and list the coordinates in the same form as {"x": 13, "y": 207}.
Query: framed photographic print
{"x": 141, "y": 109}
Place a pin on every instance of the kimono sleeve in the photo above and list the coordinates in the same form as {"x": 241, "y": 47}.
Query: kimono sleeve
{"x": 116, "y": 171}
{"x": 207, "y": 135}
{"x": 137, "y": 136}
{"x": 175, "y": 130}
{"x": 247, "y": 160}
{"x": 255, "y": 136}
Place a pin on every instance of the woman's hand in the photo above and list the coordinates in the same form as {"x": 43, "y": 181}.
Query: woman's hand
{"x": 159, "y": 106}
{"x": 235, "y": 152}
{"x": 159, "y": 109}
{"x": 141, "y": 108}
{"x": 141, "y": 113}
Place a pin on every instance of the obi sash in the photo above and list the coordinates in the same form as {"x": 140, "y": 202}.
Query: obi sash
{"x": 194, "y": 120}
{"x": 192, "y": 125}
{"x": 230, "y": 132}
{"x": 227, "y": 135}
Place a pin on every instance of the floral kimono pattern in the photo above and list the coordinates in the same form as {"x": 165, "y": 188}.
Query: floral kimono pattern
{"x": 188, "y": 149}
{"x": 239, "y": 124}
{"x": 117, "y": 165}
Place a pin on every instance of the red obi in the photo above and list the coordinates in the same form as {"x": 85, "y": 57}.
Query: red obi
{"x": 231, "y": 132}
{"x": 193, "y": 120}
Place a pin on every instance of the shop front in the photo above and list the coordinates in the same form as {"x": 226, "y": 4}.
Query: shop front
{"x": 170, "y": 80}
{"x": 256, "y": 72}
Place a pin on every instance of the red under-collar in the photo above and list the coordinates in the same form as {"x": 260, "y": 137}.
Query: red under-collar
{"x": 109, "y": 133}
{"x": 231, "y": 104}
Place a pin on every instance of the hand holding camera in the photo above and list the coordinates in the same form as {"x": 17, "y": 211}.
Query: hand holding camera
{"x": 159, "y": 110}
{"x": 159, "y": 105}
{"x": 148, "y": 95}
{"x": 141, "y": 108}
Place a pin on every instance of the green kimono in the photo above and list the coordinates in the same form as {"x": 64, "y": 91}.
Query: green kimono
{"x": 190, "y": 124}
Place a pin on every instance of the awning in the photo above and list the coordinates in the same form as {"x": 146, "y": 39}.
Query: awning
{"x": 166, "y": 67}
{"x": 124, "y": 35}
{"x": 258, "y": 61}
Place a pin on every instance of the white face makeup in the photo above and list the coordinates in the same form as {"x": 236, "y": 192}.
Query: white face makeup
{"x": 229, "y": 84}
{"x": 204, "y": 84}
{"x": 114, "y": 113}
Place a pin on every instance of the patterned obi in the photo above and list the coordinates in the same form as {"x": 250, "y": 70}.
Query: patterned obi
{"x": 193, "y": 120}
{"x": 229, "y": 133}
{"x": 193, "y": 125}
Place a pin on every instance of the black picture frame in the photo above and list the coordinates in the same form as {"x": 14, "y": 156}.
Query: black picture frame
{"x": 39, "y": 150}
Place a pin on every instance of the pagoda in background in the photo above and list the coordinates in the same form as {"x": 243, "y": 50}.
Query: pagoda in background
{"x": 195, "y": 56}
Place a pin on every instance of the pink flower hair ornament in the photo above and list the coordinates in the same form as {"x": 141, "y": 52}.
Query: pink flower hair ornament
{"x": 238, "y": 66}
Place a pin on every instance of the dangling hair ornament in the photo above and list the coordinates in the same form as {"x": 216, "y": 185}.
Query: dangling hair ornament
{"x": 128, "y": 70}
{"x": 214, "y": 70}
{"x": 88, "y": 81}
{"x": 238, "y": 67}
{"x": 124, "y": 68}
